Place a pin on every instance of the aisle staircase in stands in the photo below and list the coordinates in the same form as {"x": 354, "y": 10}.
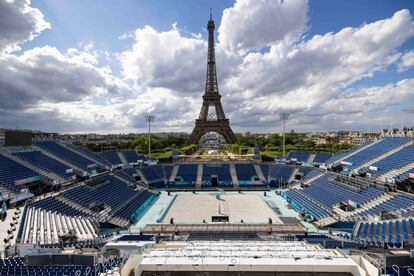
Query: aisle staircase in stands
{"x": 122, "y": 157}
{"x": 292, "y": 176}
{"x": 174, "y": 173}
{"x": 199, "y": 176}
{"x": 233, "y": 175}
{"x": 259, "y": 172}
{"x": 311, "y": 158}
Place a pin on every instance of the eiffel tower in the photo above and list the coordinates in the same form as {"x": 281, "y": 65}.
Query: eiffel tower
{"x": 216, "y": 121}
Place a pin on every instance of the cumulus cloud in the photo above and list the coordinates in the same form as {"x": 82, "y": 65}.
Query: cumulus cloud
{"x": 307, "y": 75}
{"x": 254, "y": 24}
{"x": 163, "y": 72}
{"x": 407, "y": 61}
{"x": 46, "y": 75}
{"x": 165, "y": 59}
{"x": 19, "y": 22}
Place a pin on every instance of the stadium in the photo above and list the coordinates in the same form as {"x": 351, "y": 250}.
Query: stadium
{"x": 70, "y": 210}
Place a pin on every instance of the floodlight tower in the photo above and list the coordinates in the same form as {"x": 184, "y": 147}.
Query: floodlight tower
{"x": 149, "y": 118}
{"x": 284, "y": 116}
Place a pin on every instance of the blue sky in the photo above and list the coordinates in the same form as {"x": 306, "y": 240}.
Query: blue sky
{"x": 273, "y": 56}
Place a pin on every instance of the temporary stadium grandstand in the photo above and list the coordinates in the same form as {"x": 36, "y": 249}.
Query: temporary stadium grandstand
{"x": 74, "y": 199}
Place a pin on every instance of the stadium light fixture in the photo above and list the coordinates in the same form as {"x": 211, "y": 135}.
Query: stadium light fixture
{"x": 284, "y": 116}
{"x": 149, "y": 118}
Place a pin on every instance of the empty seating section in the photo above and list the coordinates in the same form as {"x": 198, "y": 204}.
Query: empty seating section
{"x": 299, "y": 201}
{"x": 321, "y": 157}
{"x": 54, "y": 205}
{"x": 377, "y": 149}
{"x": 393, "y": 204}
{"x": 222, "y": 171}
{"x": 327, "y": 192}
{"x": 127, "y": 174}
{"x": 153, "y": 173}
{"x": 45, "y": 162}
{"x": 112, "y": 157}
{"x": 10, "y": 171}
{"x": 168, "y": 171}
{"x": 112, "y": 193}
{"x": 245, "y": 172}
{"x": 390, "y": 232}
{"x": 265, "y": 170}
{"x": 404, "y": 176}
{"x": 311, "y": 175}
{"x": 16, "y": 266}
{"x": 133, "y": 205}
{"x": 136, "y": 238}
{"x": 305, "y": 170}
{"x": 131, "y": 156}
{"x": 340, "y": 156}
{"x": 301, "y": 156}
{"x": 187, "y": 173}
{"x": 90, "y": 154}
{"x": 65, "y": 154}
{"x": 396, "y": 160}
{"x": 279, "y": 174}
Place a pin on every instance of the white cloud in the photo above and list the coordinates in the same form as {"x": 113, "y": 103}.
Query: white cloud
{"x": 165, "y": 59}
{"x": 254, "y": 24}
{"x": 407, "y": 61}
{"x": 164, "y": 72}
{"x": 19, "y": 22}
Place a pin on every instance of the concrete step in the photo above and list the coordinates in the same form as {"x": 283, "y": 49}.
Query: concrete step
{"x": 174, "y": 173}
{"x": 233, "y": 175}
{"x": 292, "y": 176}
{"x": 122, "y": 157}
{"x": 199, "y": 176}
{"x": 311, "y": 158}
{"x": 259, "y": 172}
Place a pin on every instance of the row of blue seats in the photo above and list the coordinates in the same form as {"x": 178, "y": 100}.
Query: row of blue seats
{"x": 396, "y": 160}
{"x": 113, "y": 193}
{"x": 94, "y": 156}
{"x": 112, "y": 157}
{"x": 45, "y": 162}
{"x": 391, "y": 205}
{"x": 301, "y": 156}
{"x": 326, "y": 191}
{"x": 322, "y": 157}
{"x": 297, "y": 199}
{"x": 136, "y": 238}
{"x": 245, "y": 171}
{"x": 222, "y": 171}
{"x": 16, "y": 266}
{"x": 10, "y": 171}
{"x": 65, "y": 154}
{"x": 138, "y": 200}
{"x": 392, "y": 231}
{"x": 377, "y": 149}
{"x": 187, "y": 172}
{"x": 54, "y": 205}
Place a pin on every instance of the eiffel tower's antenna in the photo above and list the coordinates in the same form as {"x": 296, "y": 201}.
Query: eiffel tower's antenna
{"x": 211, "y": 17}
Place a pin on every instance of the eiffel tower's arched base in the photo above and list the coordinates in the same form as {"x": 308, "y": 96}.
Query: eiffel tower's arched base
{"x": 221, "y": 127}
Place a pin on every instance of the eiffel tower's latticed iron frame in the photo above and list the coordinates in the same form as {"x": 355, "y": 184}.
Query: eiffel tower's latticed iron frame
{"x": 211, "y": 98}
